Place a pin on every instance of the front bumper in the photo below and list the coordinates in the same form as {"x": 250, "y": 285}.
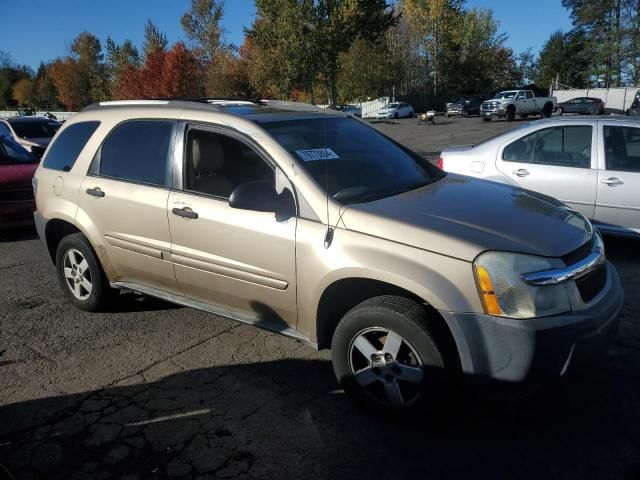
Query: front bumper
{"x": 517, "y": 350}
{"x": 494, "y": 112}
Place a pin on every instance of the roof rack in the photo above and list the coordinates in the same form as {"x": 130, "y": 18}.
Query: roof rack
{"x": 209, "y": 102}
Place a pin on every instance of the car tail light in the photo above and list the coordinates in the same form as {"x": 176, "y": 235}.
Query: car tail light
{"x": 440, "y": 163}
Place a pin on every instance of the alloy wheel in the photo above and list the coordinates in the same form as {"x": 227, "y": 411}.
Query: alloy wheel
{"x": 386, "y": 366}
{"x": 77, "y": 274}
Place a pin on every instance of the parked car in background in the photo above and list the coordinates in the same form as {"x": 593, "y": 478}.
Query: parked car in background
{"x": 33, "y": 133}
{"x": 396, "y": 110}
{"x": 414, "y": 278}
{"x": 464, "y": 107}
{"x": 581, "y": 105}
{"x": 348, "y": 109}
{"x": 522, "y": 103}
{"x": 17, "y": 167}
{"x": 592, "y": 165}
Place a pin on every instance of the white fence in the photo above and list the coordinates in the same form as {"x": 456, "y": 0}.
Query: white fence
{"x": 59, "y": 115}
{"x": 369, "y": 109}
{"x": 614, "y": 98}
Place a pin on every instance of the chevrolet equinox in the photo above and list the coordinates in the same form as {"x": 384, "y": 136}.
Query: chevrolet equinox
{"x": 313, "y": 224}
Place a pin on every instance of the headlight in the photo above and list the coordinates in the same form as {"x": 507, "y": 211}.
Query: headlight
{"x": 505, "y": 294}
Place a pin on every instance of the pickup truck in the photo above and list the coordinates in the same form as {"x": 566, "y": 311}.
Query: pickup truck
{"x": 510, "y": 103}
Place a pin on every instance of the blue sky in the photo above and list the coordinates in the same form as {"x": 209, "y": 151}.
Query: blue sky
{"x": 49, "y": 26}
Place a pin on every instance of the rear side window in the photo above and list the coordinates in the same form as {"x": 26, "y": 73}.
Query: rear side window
{"x": 138, "y": 151}
{"x": 568, "y": 146}
{"x": 622, "y": 148}
{"x": 64, "y": 151}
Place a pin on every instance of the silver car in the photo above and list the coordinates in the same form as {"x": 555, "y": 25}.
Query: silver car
{"x": 592, "y": 165}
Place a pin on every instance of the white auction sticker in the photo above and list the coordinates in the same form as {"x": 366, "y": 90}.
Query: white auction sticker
{"x": 317, "y": 154}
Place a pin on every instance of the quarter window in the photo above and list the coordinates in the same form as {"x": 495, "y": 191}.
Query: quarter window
{"x": 63, "y": 153}
{"x": 216, "y": 164}
{"x": 137, "y": 151}
{"x": 622, "y": 148}
{"x": 568, "y": 146}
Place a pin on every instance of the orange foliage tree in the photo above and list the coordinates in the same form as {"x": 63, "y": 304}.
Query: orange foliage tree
{"x": 172, "y": 74}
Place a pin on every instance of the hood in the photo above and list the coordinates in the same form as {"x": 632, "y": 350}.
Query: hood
{"x": 462, "y": 216}
{"x": 17, "y": 175}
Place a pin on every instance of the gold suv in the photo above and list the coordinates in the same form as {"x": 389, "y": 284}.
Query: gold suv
{"x": 312, "y": 224}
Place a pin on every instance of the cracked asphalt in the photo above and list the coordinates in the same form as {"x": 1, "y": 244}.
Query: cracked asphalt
{"x": 153, "y": 391}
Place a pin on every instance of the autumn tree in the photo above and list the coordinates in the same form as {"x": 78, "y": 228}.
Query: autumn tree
{"x": 118, "y": 59}
{"x": 70, "y": 84}
{"x": 10, "y": 74}
{"x": 45, "y": 93}
{"x": 23, "y": 92}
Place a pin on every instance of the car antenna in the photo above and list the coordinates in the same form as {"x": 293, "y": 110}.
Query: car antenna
{"x": 328, "y": 237}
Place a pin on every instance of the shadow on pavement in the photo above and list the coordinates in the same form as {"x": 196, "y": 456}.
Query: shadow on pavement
{"x": 18, "y": 234}
{"x": 285, "y": 419}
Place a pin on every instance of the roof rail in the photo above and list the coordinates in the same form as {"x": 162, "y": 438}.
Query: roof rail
{"x": 298, "y": 106}
{"x": 124, "y": 103}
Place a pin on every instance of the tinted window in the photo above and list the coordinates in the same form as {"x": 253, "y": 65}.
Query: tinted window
{"x": 63, "y": 152}
{"x": 529, "y": 94}
{"x": 354, "y": 162}
{"x": 39, "y": 128}
{"x": 137, "y": 151}
{"x": 622, "y": 148}
{"x": 4, "y": 130}
{"x": 562, "y": 146}
{"x": 12, "y": 153}
{"x": 216, "y": 164}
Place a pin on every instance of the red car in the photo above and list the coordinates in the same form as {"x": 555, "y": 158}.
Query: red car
{"x": 17, "y": 167}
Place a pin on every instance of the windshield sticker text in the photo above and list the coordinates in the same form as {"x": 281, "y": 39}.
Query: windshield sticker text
{"x": 317, "y": 154}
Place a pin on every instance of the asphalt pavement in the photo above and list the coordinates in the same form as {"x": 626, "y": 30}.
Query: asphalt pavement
{"x": 149, "y": 390}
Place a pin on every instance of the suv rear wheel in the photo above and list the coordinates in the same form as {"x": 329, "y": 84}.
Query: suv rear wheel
{"x": 80, "y": 274}
{"x": 385, "y": 354}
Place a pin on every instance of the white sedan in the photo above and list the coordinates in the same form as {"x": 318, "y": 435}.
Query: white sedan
{"x": 396, "y": 110}
{"x": 592, "y": 165}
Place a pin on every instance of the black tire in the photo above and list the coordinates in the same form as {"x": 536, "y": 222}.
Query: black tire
{"x": 395, "y": 115}
{"x": 558, "y": 111}
{"x": 511, "y": 115}
{"x": 486, "y": 119}
{"x": 594, "y": 111}
{"x": 421, "y": 344}
{"x": 546, "y": 110}
{"x": 101, "y": 293}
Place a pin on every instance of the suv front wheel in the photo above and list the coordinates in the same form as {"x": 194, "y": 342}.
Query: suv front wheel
{"x": 80, "y": 274}
{"x": 385, "y": 355}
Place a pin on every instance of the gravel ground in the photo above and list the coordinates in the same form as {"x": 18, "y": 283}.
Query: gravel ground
{"x": 153, "y": 391}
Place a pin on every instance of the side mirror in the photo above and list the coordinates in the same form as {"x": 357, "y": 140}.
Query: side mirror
{"x": 259, "y": 196}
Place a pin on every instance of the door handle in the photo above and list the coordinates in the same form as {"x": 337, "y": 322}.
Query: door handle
{"x": 95, "y": 192}
{"x": 612, "y": 182}
{"x": 185, "y": 212}
{"x": 521, "y": 172}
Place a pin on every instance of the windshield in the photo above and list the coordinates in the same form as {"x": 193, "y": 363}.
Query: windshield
{"x": 35, "y": 128}
{"x": 12, "y": 153}
{"x": 506, "y": 95}
{"x": 354, "y": 162}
